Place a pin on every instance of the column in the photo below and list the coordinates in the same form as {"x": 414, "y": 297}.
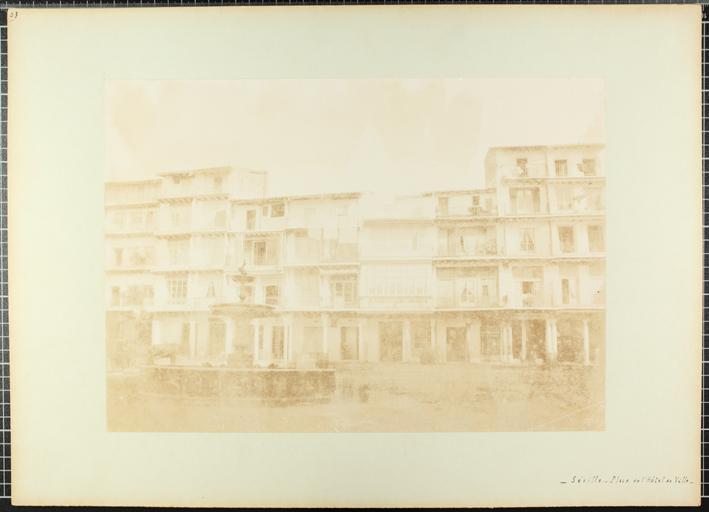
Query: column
{"x": 523, "y": 351}
{"x": 325, "y": 322}
{"x": 503, "y": 342}
{"x": 433, "y": 334}
{"x": 509, "y": 351}
{"x": 325, "y": 299}
{"x": 586, "y": 343}
{"x": 443, "y": 342}
{"x": 155, "y": 335}
{"x": 257, "y": 329}
{"x": 228, "y": 336}
{"x": 267, "y": 334}
{"x": 288, "y": 336}
{"x": 193, "y": 338}
{"x": 406, "y": 355}
{"x": 361, "y": 333}
{"x": 473, "y": 339}
{"x": 550, "y": 332}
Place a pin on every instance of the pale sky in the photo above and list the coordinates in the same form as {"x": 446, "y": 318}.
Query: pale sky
{"x": 313, "y": 136}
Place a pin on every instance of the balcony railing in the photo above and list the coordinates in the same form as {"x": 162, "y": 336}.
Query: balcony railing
{"x": 309, "y": 251}
{"x": 396, "y": 302}
{"x": 130, "y": 197}
{"x": 189, "y": 189}
{"x": 478, "y": 248}
{"x": 530, "y": 300}
{"x": 306, "y": 250}
{"x": 334, "y": 251}
{"x": 270, "y": 261}
{"x": 529, "y": 171}
{"x": 464, "y": 211}
{"x": 126, "y": 300}
{"x": 466, "y": 301}
{"x": 340, "y": 303}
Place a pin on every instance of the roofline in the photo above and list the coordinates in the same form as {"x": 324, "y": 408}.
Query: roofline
{"x": 187, "y": 172}
{"x": 305, "y": 197}
{"x": 550, "y": 146}
{"x": 398, "y": 220}
{"x": 144, "y": 181}
{"x": 461, "y": 191}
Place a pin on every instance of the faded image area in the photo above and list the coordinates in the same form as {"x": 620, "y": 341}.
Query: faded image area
{"x": 355, "y": 256}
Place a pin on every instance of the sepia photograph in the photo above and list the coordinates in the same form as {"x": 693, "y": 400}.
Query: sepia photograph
{"x": 355, "y": 255}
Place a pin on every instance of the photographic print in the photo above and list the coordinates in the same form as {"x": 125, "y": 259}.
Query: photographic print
{"x": 355, "y": 255}
{"x": 383, "y": 256}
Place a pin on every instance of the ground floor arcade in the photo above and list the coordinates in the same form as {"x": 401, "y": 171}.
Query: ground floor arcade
{"x": 305, "y": 338}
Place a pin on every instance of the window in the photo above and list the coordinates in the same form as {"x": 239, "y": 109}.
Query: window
{"x": 344, "y": 291}
{"x": 176, "y": 180}
{"x": 467, "y": 294}
{"x": 488, "y": 293}
{"x": 137, "y": 256}
{"x": 149, "y": 219}
{"x": 530, "y": 284}
{"x": 119, "y": 219}
{"x": 259, "y": 253}
{"x": 524, "y": 200}
{"x": 278, "y": 210}
{"x": 115, "y": 296}
{"x": 594, "y": 198}
{"x": 220, "y": 219}
{"x": 246, "y": 293}
{"x": 476, "y": 200}
{"x": 567, "y": 291}
{"x": 272, "y": 295}
{"x": 278, "y": 342}
{"x": 118, "y": 257}
{"x": 527, "y": 240}
{"x": 251, "y": 220}
{"x": 180, "y": 215}
{"x": 264, "y": 211}
{"x": 265, "y": 252}
{"x": 566, "y": 238}
{"x": 211, "y": 293}
{"x": 522, "y": 166}
{"x": 595, "y": 239}
{"x": 529, "y": 293}
{"x": 588, "y": 167}
{"x": 177, "y": 289}
{"x": 179, "y": 251}
{"x": 218, "y": 181}
{"x": 562, "y": 167}
{"x": 136, "y": 219}
{"x": 134, "y": 297}
{"x": 565, "y": 198}
{"x": 442, "y": 206}
{"x": 215, "y": 251}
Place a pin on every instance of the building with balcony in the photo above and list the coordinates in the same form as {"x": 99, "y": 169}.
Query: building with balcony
{"x": 203, "y": 264}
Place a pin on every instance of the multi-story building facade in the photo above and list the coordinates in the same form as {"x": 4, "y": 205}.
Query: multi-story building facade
{"x": 206, "y": 263}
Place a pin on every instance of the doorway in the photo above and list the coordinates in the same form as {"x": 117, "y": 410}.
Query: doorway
{"x": 456, "y": 346}
{"x": 390, "y": 341}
